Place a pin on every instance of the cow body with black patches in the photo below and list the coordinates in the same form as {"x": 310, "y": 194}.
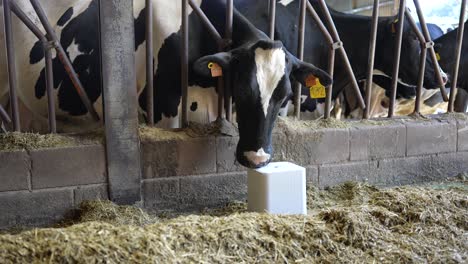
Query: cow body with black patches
{"x": 261, "y": 70}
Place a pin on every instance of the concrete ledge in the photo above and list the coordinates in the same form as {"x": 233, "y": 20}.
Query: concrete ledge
{"x": 431, "y": 137}
{"x": 35, "y": 208}
{"x": 334, "y": 174}
{"x": 377, "y": 142}
{"x": 14, "y": 171}
{"x": 162, "y": 159}
{"x": 90, "y": 193}
{"x": 63, "y": 167}
{"x": 462, "y": 135}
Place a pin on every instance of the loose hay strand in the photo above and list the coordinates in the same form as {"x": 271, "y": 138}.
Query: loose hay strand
{"x": 352, "y": 223}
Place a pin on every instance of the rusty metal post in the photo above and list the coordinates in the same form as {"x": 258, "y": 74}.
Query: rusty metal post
{"x": 10, "y": 52}
{"x": 117, "y": 44}
{"x": 149, "y": 64}
{"x": 184, "y": 62}
{"x": 422, "y": 63}
{"x": 272, "y": 18}
{"x": 331, "y": 56}
{"x": 336, "y": 39}
{"x": 432, "y": 53}
{"x": 331, "y": 71}
{"x": 49, "y": 73}
{"x": 48, "y": 61}
{"x": 64, "y": 59}
{"x": 300, "y": 53}
{"x": 397, "y": 56}
{"x": 422, "y": 68}
{"x": 227, "y": 76}
{"x": 456, "y": 68}
{"x": 372, "y": 46}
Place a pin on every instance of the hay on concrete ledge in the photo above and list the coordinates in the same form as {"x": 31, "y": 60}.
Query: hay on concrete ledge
{"x": 352, "y": 223}
{"x": 29, "y": 141}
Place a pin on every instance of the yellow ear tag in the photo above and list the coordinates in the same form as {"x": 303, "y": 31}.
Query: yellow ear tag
{"x": 317, "y": 90}
{"x": 438, "y": 56}
{"x": 216, "y": 70}
{"x": 393, "y": 26}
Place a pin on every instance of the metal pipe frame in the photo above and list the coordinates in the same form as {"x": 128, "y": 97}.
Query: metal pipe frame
{"x": 149, "y": 64}
{"x": 227, "y": 77}
{"x": 206, "y": 22}
{"x": 272, "y": 18}
{"x": 300, "y": 53}
{"x": 458, "y": 49}
{"x": 331, "y": 56}
{"x": 10, "y": 52}
{"x": 4, "y": 115}
{"x": 48, "y": 61}
{"x": 342, "y": 51}
{"x": 397, "y": 56}
{"x": 184, "y": 62}
{"x": 372, "y": 46}
{"x": 432, "y": 53}
{"x": 64, "y": 59}
{"x": 422, "y": 62}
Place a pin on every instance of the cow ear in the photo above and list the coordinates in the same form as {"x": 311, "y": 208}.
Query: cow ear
{"x": 204, "y": 64}
{"x": 302, "y": 72}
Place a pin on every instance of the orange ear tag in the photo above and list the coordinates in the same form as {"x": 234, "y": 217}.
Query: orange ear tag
{"x": 310, "y": 80}
{"x": 317, "y": 90}
{"x": 216, "y": 70}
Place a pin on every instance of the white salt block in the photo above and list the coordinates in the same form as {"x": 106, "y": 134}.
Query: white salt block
{"x": 278, "y": 188}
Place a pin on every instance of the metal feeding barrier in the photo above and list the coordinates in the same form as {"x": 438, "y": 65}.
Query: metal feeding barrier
{"x": 333, "y": 39}
{"x": 327, "y": 28}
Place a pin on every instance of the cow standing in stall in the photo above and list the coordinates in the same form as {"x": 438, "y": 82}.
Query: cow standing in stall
{"x": 262, "y": 70}
{"x": 354, "y": 31}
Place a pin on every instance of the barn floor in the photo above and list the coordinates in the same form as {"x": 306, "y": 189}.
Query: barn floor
{"x": 352, "y": 223}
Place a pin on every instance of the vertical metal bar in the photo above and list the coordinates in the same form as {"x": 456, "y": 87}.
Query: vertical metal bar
{"x": 372, "y": 45}
{"x": 426, "y": 34}
{"x": 397, "y": 56}
{"x": 300, "y": 52}
{"x": 272, "y": 18}
{"x": 227, "y": 77}
{"x": 121, "y": 101}
{"x": 64, "y": 59}
{"x": 184, "y": 62}
{"x": 149, "y": 63}
{"x": 422, "y": 68}
{"x": 336, "y": 39}
{"x": 456, "y": 68}
{"x": 331, "y": 70}
{"x": 11, "y": 65}
{"x": 49, "y": 73}
{"x": 221, "y": 90}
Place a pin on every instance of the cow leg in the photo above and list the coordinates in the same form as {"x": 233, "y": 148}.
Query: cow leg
{"x": 461, "y": 101}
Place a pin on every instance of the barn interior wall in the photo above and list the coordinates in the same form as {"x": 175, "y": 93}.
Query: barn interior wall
{"x": 43, "y": 186}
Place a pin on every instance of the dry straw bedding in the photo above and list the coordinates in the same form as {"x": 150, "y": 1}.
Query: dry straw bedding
{"x": 352, "y": 223}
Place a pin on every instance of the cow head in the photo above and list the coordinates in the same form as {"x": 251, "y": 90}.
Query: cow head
{"x": 261, "y": 80}
{"x": 410, "y": 57}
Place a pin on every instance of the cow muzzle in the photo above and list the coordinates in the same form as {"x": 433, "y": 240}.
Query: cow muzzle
{"x": 255, "y": 159}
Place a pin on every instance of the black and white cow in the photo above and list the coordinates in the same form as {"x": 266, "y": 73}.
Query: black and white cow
{"x": 261, "y": 69}
{"x": 445, "y": 46}
{"x": 354, "y": 31}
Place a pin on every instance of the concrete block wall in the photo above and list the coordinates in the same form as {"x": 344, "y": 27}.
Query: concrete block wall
{"x": 43, "y": 186}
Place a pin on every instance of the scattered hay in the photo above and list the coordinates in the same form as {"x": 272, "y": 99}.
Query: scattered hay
{"x": 29, "y": 141}
{"x": 353, "y": 223}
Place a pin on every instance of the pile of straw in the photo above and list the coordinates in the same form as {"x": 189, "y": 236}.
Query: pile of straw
{"x": 352, "y": 223}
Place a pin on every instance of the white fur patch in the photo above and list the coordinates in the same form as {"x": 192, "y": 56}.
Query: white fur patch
{"x": 258, "y": 157}
{"x": 271, "y": 64}
{"x": 286, "y": 2}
